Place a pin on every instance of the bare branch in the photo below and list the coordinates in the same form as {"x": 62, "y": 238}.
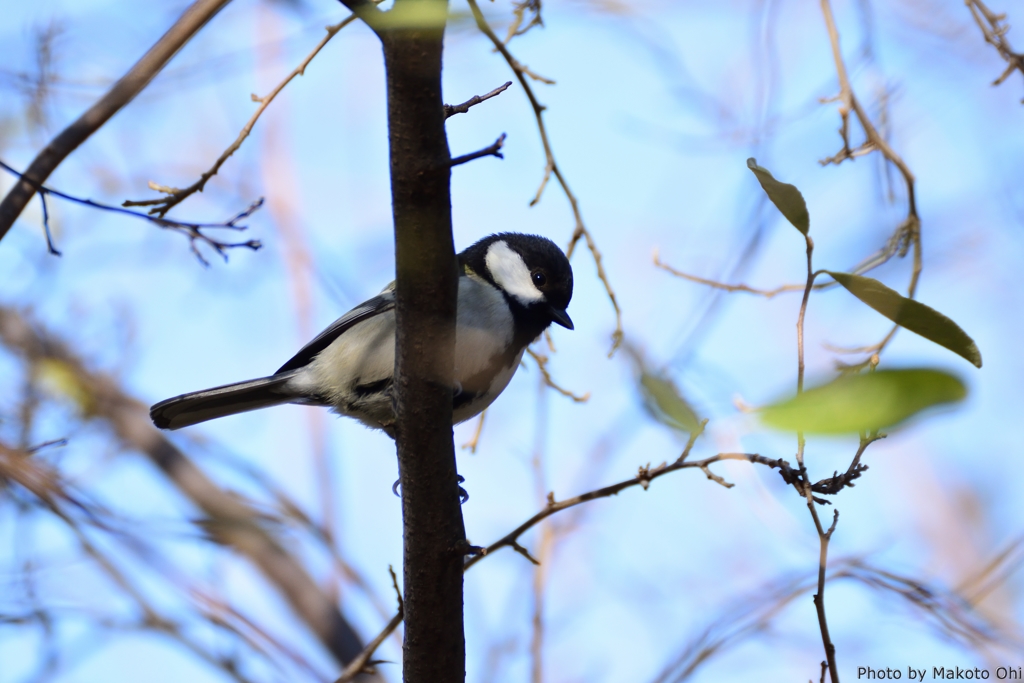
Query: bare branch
{"x": 644, "y": 477}
{"x": 475, "y": 440}
{"x": 909, "y": 232}
{"x": 192, "y": 230}
{"x": 492, "y": 150}
{"x": 516, "y": 28}
{"x": 362, "y": 662}
{"x": 452, "y": 110}
{"x": 542, "y": 364}
{"x": 992, "y": 27}
{"x": 767, "y": 293}
{"x": 580, "y": 231}
{"x": 837, "y": 482}
{"x": 174, "y": 195}
{"x": 122, "y": 92}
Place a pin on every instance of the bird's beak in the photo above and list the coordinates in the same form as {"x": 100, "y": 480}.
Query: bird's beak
{"x": 562, "y": 318}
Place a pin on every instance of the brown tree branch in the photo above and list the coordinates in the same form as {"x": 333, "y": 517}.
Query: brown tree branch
{"x": 542, "y": 365}
{"x": 361, "y": 663}
{"x": 426, "y": 301}
{"x": 644, "y": 477}
{"x": 175, "y": 196}
{"x": 802, "y": 484}
{"x": 992, "y": 27}
{"x": 192, "y": 230}
{"x": 122, "y": 92}
{"x": 767, "y": 293}
{"x": 908, "y": 233}
{"x": 580, "y": 231}
{"x": 451, "y": 110}
{"x": 492, "y": 150}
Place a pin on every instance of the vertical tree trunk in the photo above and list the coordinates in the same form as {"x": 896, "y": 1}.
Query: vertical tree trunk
{"x": 427, "y": 281}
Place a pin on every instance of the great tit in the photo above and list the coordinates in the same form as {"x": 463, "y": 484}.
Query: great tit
{"x": 511, "y": 288}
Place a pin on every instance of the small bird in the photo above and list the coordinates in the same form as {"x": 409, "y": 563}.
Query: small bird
{"x": 511, "y": 288}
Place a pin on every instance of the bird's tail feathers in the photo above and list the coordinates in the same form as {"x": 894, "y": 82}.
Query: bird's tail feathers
{"x": 208, "y": 404}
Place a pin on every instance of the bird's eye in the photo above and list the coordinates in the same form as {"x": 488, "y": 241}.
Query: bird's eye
{"x": 539, "y": 279}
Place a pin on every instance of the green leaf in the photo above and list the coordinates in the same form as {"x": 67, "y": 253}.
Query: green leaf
{"x": 860, "y": 403}
{"x": 421, "y": 15}
{"x": 665, "y": 404}
{"x": 911, "y": 314}
{"x": 783, "y": 195}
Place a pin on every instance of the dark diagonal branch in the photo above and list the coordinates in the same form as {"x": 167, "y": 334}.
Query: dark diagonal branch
{"x": 175, "y": 196}
{"x": 451, "y": 110}
{"x": 122, "y": 92}
{"x": 492, "y": 150}
{"x": 362, "y": 662}
{"x": 192, "y": 230}
{"x": 994, "y": 30}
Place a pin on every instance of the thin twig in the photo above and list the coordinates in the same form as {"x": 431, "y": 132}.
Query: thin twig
{"x": 804, "y": 485}
{"x": 46, "y": 224}
{"x": 451, "y": 110}
{"x": 644, "y": 477}
{"x": 174, "y": 195}
{"x": 819, "y": 598}
{"x": 516, "y": 28}
{"x": 551, "y": 167}
{"x": 236, "y": 523}
{"x": 475, "y": 440}
{"x": 992, "y": 27}
{"x": 909, "y": 231}
{"x": 119, "y": 95}
{"x": 894, "y": 245}
{"x": 362, "y": 661}
{"x": 194, "y": 231}
{"x": 800, "y": 320}
{"x": 542, "y": 365}
{"x": 837, "y": 482}
{"x": 767, "y": 293}
{"x": 492, "y": 150}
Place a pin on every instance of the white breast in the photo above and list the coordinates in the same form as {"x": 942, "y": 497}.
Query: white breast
{"x": 365, "y": 354}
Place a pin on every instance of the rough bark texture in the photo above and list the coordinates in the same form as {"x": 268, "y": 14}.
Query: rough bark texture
{"x": 427, "y": 281}
{"x": 122, "y": 92}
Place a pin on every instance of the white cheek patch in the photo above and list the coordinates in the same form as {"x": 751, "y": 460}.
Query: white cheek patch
{"x": 510, "y": 273}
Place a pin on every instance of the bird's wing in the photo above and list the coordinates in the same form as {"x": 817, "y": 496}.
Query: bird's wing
{"x": 383, "y": 302}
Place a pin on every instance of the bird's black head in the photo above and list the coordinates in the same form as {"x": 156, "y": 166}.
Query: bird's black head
{"x": 532, "y": 271}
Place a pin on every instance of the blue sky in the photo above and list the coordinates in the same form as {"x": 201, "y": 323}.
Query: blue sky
{"x": 656, "y": 107}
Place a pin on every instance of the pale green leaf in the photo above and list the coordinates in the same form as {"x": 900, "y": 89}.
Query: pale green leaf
{"x": 420, "y": 15}
{"x": 861, "y": 403}
{"x": 664, "y": 402}
{"x": 784, "y": 196}
{"x": 910, "y": 314}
